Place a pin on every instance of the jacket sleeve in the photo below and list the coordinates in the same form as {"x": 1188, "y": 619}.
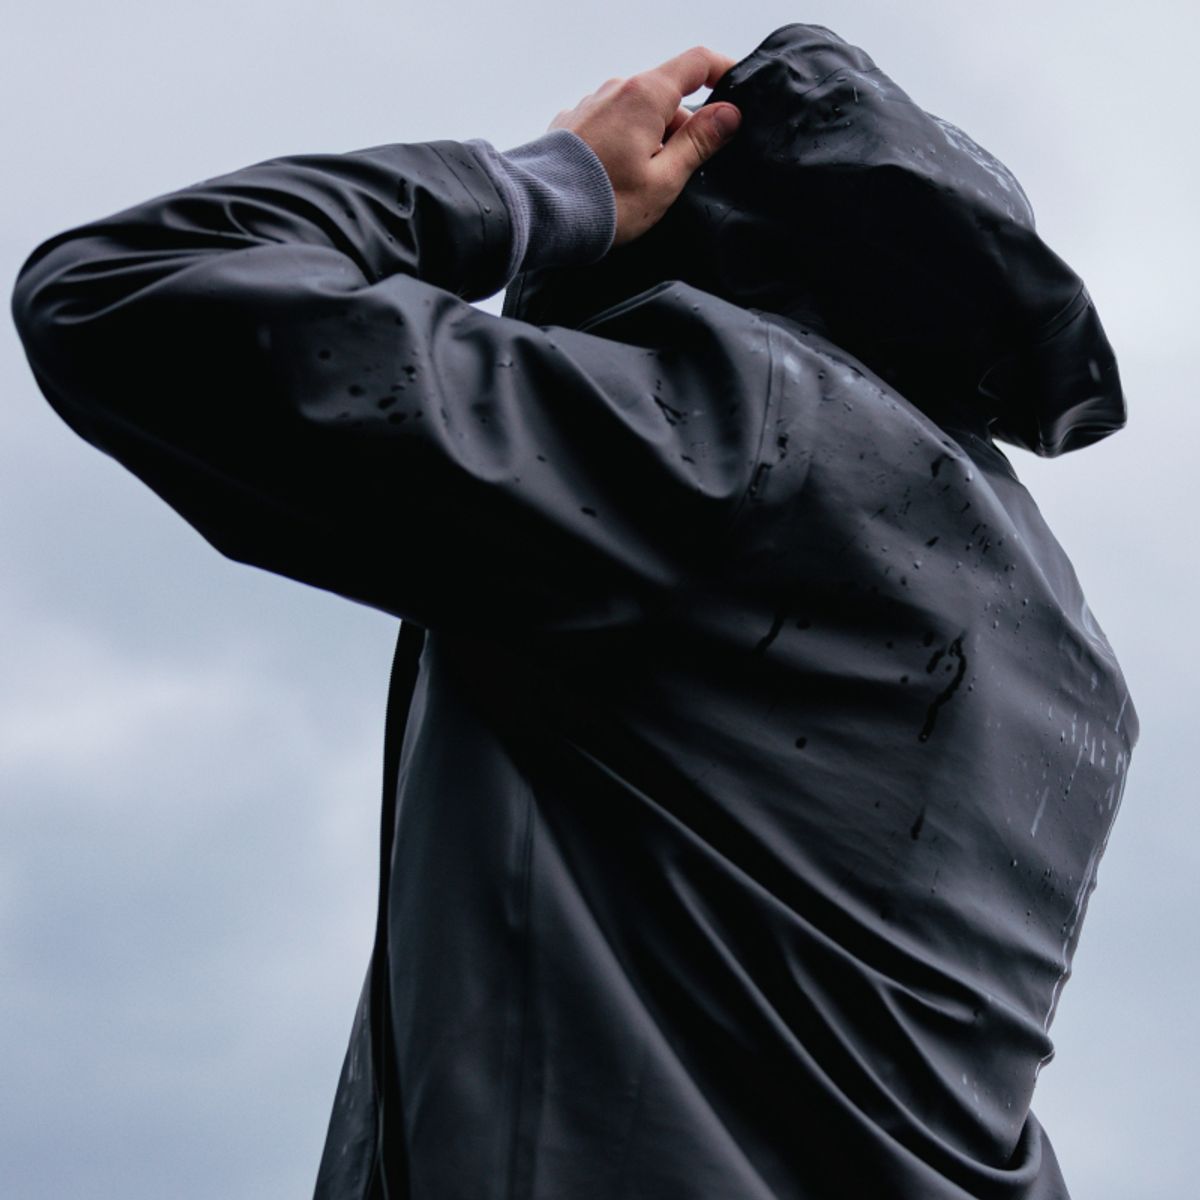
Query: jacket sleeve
{"x": 288, "y": 356}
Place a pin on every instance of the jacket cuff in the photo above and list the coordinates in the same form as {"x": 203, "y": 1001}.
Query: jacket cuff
{"x": 563, "y": 208}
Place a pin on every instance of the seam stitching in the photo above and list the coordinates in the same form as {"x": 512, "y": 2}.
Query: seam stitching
{"x": 725, "y": 528}
{"x": 479, "y": 288}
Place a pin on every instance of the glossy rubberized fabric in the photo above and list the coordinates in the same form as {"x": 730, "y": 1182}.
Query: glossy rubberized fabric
{"x": 752, "y": 746}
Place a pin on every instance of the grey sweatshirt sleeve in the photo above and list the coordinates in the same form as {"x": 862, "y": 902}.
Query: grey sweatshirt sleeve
{"x": 563, "y": 207}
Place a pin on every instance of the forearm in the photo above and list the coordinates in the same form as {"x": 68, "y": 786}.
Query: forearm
{"x": 474, "y": 219}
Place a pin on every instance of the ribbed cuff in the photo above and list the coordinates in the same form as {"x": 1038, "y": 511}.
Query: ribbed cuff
{"x": 564, "y": 210}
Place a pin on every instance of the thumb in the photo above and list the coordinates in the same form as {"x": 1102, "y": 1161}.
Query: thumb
{"x": 698, "y": 139}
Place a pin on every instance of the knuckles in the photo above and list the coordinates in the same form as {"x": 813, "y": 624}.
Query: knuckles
{"x": 636, "y": 87}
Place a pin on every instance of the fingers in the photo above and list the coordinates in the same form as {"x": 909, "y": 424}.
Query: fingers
{"x": 665, "y": 86}
{"x": 695, "y": 68}
{"x": 689, "y": 138}
{"x": 696, "y": 140}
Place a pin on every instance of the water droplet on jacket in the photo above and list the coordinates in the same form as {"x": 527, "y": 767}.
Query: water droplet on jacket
{"x": 801, "y": 742}
{"x": 323, "y": 354}
{"x": 410, "y": 371}
{"x": 591, "y": 512}
{"x": 355, "y": 389}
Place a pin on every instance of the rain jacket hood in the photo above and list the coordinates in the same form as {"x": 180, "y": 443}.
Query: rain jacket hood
{"x": 843, "y": 203}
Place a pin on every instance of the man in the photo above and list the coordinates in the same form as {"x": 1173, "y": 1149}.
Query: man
{"x": 751, "y": 746}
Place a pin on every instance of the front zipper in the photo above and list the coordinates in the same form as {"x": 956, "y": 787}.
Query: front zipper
{"x": 401, "y": 683}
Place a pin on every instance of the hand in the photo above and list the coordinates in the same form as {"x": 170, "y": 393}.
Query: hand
{"x": 648, "y": 142}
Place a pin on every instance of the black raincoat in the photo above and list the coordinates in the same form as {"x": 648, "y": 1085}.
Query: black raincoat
{"x": 751, "y": 744}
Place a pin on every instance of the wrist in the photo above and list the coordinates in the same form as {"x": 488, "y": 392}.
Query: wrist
{"x": 559, "y": 197}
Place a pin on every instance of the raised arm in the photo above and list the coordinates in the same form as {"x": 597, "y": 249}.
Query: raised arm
{"x": 287, "y": 355}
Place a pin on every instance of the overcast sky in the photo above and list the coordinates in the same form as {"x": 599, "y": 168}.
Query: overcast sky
{"x": 190, "y": 749}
